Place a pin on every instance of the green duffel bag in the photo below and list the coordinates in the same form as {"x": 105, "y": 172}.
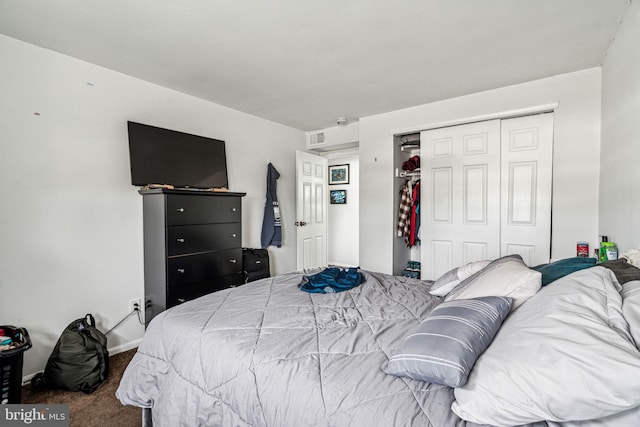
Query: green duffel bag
{"x": 79, "y": 361}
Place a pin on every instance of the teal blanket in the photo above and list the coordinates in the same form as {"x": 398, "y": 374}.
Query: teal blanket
{"x": 558, "y": 269}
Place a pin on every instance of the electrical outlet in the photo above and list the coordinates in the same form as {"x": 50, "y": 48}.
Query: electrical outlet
{"x": 135, "y": 305}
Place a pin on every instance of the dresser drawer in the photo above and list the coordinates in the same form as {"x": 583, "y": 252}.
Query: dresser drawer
{"x": 205, "y": 266}
{"x": 191, "y": 291}
{"x": 199, "y": 209}
{"x": 186, "y": 239}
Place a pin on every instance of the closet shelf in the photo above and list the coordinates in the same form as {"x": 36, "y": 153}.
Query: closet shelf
{"x": 410, "y": 139}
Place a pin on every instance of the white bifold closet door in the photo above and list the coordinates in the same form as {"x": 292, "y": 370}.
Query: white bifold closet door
{"x": 527, "y": 153}
{"x": 486, "y": 192}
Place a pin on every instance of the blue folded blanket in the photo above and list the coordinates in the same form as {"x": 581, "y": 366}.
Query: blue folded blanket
{"x": 332, "y": 279}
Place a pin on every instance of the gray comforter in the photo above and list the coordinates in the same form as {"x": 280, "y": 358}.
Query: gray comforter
{"x": 268, "y": 354}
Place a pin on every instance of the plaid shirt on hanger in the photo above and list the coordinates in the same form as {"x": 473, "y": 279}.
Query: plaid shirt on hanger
{"x": 404, "y": 212}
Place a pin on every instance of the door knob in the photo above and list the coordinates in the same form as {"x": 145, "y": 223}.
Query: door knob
{"x": 300, "y": 223}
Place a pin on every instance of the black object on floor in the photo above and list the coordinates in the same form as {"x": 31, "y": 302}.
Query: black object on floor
{"x": 15, "y": 341}
{"x": 256, "y": 264}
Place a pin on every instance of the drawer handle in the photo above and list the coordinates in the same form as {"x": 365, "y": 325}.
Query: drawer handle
{"x": 233, "y": 209}
{"x": 234, "y": 235}
{"x": 181, "y": 300}
{"x": 181, "y": 270}
{"x": 180, "y": 240}
{"x": 233, "y": 261}
{"x": 180, "y": 209}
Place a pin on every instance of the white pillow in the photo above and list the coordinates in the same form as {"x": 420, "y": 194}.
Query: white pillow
{"x": 508, "y": 276}
{"x": 631, "y": 308}
{"x": 563, "y": 356}
{"x": 449, "y": 280}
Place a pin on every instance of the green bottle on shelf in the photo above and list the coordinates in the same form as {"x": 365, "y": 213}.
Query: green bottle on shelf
{"x": 608, "y": 250}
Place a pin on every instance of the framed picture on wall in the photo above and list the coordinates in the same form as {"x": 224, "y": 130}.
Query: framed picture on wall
{"x": 338, "y": 174}
{"x": 338, "y": 197}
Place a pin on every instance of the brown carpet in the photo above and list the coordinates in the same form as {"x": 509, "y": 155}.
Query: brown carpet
{"x": 98, "y": 409}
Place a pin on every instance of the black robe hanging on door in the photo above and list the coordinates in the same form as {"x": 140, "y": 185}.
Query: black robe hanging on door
{"x": 271, "y": 224}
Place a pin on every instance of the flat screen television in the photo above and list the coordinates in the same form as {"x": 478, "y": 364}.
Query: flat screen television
{"x": 163, "y": 156}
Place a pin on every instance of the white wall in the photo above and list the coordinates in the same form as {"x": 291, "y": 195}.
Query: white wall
{"x": 576, "y": 158}
{"x": 71, "y": 220}
{"x": 620, "y": 170}
{"x": 343, "y": 230}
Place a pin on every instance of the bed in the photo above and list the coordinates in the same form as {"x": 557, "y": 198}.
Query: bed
{"x": 268, "y": 354}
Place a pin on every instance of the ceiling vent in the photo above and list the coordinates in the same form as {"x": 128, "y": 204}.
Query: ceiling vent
{"x": 316, "y": 138}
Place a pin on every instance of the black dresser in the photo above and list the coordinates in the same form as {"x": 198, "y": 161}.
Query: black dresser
{"x": 192, "y": 245}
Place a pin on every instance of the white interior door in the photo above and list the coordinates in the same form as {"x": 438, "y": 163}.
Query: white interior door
{"x": 460, "y": 208}
{"x": 311, "y": 210}
{"x": 527, "y": 153}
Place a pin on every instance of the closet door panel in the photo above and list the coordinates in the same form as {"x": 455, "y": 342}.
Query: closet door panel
{"x": 473, "y": 251}
{"x": 527, "y": 252}
{"x": 461, "y": 206}
{"x": 442, "y": 195}
{"x": 475, "y": 194}
{"x": 442, "y": 148}
{"x": 522, "y": 193}
{"x": 527, "y": 157}
{"x": 475, "y": 144}
{"x": 441, "y": 256}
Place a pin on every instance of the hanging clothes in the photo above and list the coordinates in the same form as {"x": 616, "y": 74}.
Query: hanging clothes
{"x": 271, "y": 222}
{"x": 409, "y": 213}
{"x": 404, "y": 211}
{"x": 414, "y": 223}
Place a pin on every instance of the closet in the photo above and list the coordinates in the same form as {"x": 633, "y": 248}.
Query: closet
{"x": 485, "y": 193}
{"x": 408, "y": 179}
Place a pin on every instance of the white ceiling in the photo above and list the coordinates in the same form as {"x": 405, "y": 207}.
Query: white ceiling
{"x": 303, "y": 63}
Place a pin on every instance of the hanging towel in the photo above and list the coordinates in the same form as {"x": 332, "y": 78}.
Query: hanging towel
{"x": 271, "y": 223}
{"x": 332, "y": 279}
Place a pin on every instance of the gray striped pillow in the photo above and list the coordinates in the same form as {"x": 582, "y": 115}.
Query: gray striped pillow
{"x": 446, "y": 345}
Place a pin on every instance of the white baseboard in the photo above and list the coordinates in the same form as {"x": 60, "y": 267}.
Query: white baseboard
{"x": 124, "y": 347}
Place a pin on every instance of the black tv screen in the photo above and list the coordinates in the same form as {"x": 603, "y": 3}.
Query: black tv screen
{"x": 163, "y": 156}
